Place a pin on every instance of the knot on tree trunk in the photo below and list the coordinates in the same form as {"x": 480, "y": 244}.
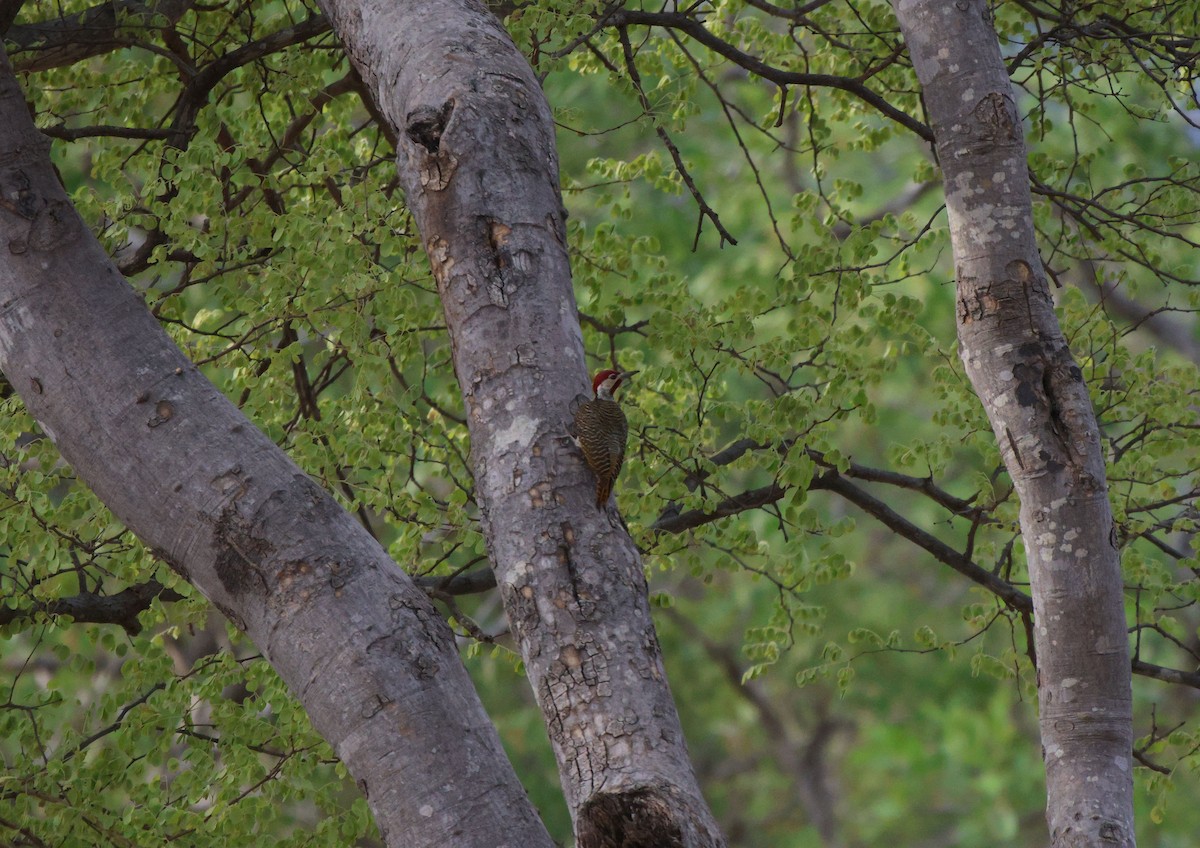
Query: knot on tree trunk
{"x": 641, "y": 818}
{"x": 425, "y": 125}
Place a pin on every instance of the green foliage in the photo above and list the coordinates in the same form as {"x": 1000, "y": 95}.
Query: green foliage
{"x": 271, "y": 240}
{"x": 112, "y": 740}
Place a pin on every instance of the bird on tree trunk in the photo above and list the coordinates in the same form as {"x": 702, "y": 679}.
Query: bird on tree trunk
{"x": 600, "y": 430}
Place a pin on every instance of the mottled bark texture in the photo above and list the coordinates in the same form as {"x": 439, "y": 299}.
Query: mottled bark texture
{"x": 479, "y": 168}
{"x": 363, "y": 649}
{"x": 1018, "y": 361}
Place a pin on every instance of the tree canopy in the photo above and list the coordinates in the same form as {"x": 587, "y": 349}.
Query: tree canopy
{"x": 755, "y": 222}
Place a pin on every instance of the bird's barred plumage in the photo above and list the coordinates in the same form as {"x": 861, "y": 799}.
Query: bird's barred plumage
{"x": 600, "y": 430}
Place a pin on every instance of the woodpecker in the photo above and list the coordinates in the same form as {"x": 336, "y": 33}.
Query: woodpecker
{"x": 600, "y": 431}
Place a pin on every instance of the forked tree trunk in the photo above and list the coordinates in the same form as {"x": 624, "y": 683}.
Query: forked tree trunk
{"x": 1018, "y": 361}
{"x": 368, "y": 656}
{"x": 480, "y": 172}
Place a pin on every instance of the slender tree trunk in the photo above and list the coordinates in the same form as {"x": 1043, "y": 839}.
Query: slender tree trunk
{"x": 365, "y": 652}
{"x": 478, "y": 163}
{"x": 1017, "y": 359}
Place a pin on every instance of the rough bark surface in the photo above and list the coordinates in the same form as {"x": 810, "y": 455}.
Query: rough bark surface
{"x": 479, "y": 168}
{"x": 1034, "y": 394}
{"x": 369, "y": 658}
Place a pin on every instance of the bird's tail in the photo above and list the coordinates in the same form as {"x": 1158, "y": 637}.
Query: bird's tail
{"x": 603, "y": 490}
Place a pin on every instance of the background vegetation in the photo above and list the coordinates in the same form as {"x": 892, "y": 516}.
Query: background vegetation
{"x": 801, "y": 423}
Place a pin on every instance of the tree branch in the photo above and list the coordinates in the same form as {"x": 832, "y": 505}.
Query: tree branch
{"x": 100, "y": 29}
{"x": 195, "y": 94}
{"x": 679, "y": 522}
{"x": 833, "y": 481}
{"x": 65, "y": 133}
{"x": 1167, "y": 675}
{"x": 695, "y": 29}
{"x": 468, "y": 583}
{"x": 122, "y": 608}
{"x": 706, "y": 211}
{"x": 942, "y": 552}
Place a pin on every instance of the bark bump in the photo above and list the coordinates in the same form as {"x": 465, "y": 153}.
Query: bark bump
{"x": 238, "y": 552}
{"x": 997, "y": 117}
{"x": 163, "y": 412}
{"x": 1112, "y": 832}
{"x": 46, "y": 223}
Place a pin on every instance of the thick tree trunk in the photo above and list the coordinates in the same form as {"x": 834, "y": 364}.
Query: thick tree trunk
{"x": 480, "y": 172}
{"x": 1035, "y": 397}
{"x": 368, "y": 656}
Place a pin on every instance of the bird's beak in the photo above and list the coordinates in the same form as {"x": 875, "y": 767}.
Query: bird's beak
{"x": 625, "y": 374}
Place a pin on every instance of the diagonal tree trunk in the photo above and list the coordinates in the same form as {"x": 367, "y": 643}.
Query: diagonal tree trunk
{"x": 363, "y": 649}
{"x": 480, "y": 172}
{"x": 1018, "y": 361}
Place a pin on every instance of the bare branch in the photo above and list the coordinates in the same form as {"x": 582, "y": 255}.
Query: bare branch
{"x": 706, "y": 211}
{"x": 678, "y": 522}
{"x": 100, "y": 29}
{"x": 469, "y": 583}
{"x": 945, "y": 554}
{"x": 695, "y": 29}
{"x": 195, "y": 95}
{"x": 1167, "y": 675}
{"x": 65, "y": 133}
{"x": 122, "y": 608}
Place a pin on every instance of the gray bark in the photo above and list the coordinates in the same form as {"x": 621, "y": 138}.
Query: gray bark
{"x": 1034, "y": 394}
{"x": 478, "y": 164}
{"x": 365, "y": 652}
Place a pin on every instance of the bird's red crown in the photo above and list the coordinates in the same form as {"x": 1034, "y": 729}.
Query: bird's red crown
{"x": 601, "y": 376}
